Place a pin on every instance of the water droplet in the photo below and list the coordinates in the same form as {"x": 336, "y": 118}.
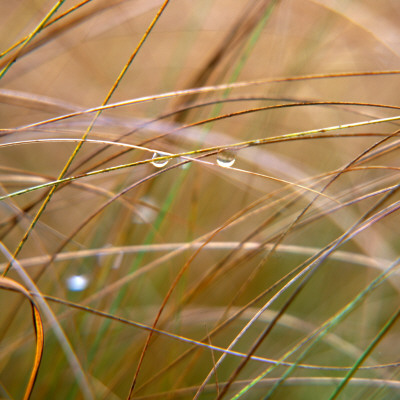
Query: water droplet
{"x": 226, "y": 158}
{"x": 159, "y": 163}
{"x": 77, "y": 283}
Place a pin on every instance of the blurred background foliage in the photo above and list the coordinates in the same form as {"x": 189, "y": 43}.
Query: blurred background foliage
{"x": 207, "y": 245}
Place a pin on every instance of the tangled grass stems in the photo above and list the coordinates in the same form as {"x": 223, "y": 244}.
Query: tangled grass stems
{"x": 193, "y": 272}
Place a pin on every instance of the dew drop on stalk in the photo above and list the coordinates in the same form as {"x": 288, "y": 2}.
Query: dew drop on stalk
{"x": 77, "y": 283}
{"x": 159, "y": 163}
{"x": 226, "y": 158}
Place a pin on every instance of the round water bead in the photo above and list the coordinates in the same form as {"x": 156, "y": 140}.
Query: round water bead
{"x": 159, "y": 163}
{"x": 226, "y": 158}
{"x": 77, "y": 283}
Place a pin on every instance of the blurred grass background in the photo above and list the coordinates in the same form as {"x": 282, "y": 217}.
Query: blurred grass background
{"x": 194, "y": 248}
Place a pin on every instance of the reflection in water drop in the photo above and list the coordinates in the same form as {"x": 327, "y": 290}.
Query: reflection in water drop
{"x": 77, "y": 283}
{"x": 226, "y": 158}
{"x": 159, "y": 163}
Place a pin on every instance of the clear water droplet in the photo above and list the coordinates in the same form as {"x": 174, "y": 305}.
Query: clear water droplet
{"x": 159, "y": 163}
{"x": 77, "y": 283}
{"x": 226, "y": 158}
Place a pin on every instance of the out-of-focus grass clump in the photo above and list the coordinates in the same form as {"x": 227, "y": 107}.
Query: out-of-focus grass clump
{"x": 199, "y": 199}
